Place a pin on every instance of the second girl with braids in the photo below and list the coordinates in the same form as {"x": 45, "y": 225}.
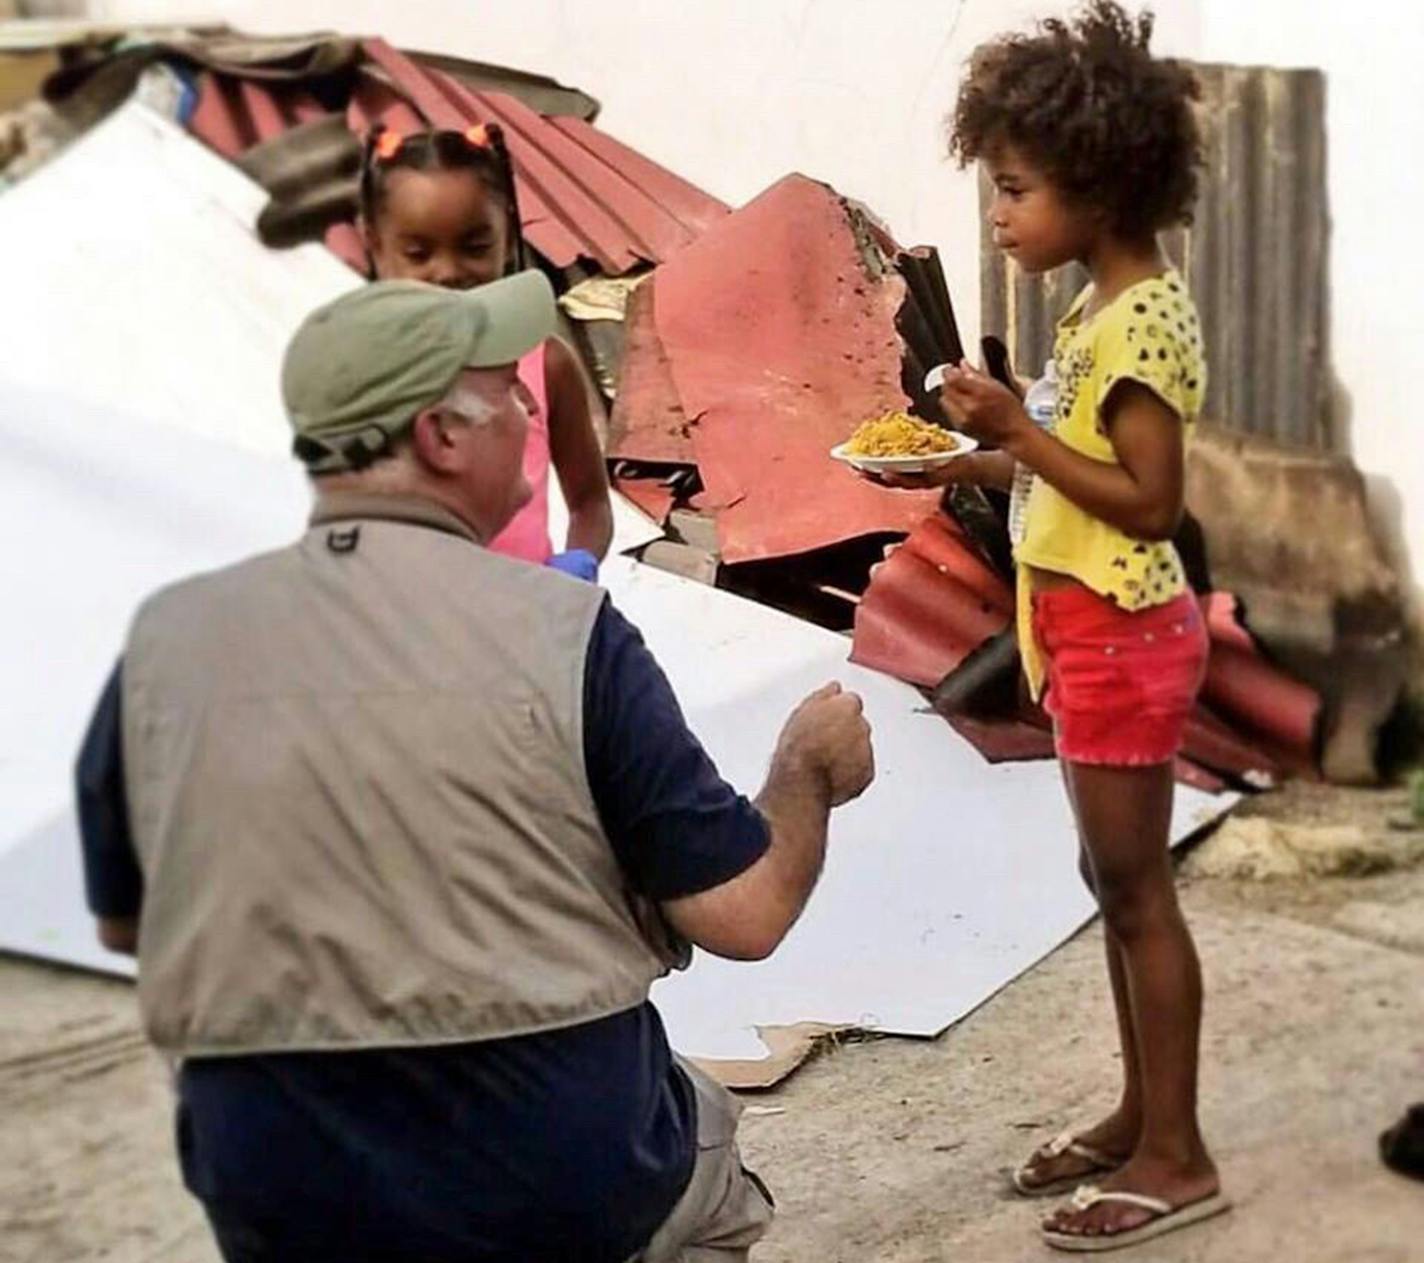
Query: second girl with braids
{"x": 440, "y": 207}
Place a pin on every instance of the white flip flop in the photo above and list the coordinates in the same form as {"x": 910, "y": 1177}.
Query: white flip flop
{"x": 1064, "y": 1142}
{"x": 1166, "y": 1218}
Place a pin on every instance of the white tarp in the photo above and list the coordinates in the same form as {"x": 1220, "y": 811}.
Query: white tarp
{"x": 96, "y": 510}
{"x": 133, "y": 280}
{"x": 141, "y": 438}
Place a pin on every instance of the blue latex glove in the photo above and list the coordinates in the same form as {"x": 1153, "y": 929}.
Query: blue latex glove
{"x": 578, "y": 562}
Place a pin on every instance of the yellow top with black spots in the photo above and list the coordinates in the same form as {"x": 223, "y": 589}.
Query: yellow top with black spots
{"x": 1148, "y": 334}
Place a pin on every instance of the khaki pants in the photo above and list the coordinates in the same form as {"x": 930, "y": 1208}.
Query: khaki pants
{"x": 725, "y": 1209}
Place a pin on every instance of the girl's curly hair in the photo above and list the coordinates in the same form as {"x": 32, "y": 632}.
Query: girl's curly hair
{"x": 1084, "y": 100}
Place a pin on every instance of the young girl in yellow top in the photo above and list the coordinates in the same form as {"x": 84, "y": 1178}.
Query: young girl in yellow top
{"x": 1092, "y": 147}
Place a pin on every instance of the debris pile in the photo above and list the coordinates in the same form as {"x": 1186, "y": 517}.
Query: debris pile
{"x": 736, "y": 348}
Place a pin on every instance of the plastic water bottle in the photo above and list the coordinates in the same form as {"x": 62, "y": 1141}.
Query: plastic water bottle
{"x": 1039, "y": 403}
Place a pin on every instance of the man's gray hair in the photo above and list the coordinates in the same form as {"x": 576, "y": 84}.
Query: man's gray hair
{"x": 464, "y": 402}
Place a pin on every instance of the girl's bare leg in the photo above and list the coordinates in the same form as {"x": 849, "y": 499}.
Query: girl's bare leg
{"x": 1116, "y": 1135}
{"x": 1119, "y": 1132}
{"x": 1124, "y": 816}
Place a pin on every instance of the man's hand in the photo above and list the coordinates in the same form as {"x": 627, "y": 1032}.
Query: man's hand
{"x": 827, "y": 734}
{"x": 982, "y": 407}
{"x": 823, "y": 758}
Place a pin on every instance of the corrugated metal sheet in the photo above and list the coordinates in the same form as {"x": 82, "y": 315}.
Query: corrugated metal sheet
{"x": 655, "y": 496}
{"x": 232, "y": 115}
{"x": 1256, "y": 259}
{"x": 583, "y": 195}
{"x": 779, "y": 331}
{"x": 546, "y": 95}
{"x": 935, "y": 602}
{"x": 648, "y": 422}
{"x": 930, "y": 605}
{"x": 1021, "y": 738}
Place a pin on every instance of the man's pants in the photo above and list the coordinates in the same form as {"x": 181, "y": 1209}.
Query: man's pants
{"x": 725, "y": 1209}
{"x": 722, "y": 1213}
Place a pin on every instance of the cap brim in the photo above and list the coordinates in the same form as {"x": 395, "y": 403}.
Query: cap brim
{"x": 516, "y": 315}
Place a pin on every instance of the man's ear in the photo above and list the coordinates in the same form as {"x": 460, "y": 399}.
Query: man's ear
{"x": 431, "y": 436}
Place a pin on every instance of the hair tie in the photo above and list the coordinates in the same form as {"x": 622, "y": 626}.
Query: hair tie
{"x": 477, "y": 134}
{"x": 388, "y": 144}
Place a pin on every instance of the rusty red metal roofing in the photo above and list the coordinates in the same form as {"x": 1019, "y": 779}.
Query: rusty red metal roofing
{"x": 1211, "y": 741}
{"x": 1282, "y": 714}
{"x": 932, "y": 603}
{"x": 1029, "y": 736}
{"x": 653, "y": 495}
{"x": 1222, "y": 612}
{"x": 780, "y": 337}
{"x": 1005, "y": 740}
{"x": 1198, "y": 777}
{"x": 232, "y": 114}
{"x": 582, "y": 194}
{"x": 648, "y": 422}
{"x": 935, "y": 601}
{"x": 1210, "y": 746}
{"x": 1262, "y": 699}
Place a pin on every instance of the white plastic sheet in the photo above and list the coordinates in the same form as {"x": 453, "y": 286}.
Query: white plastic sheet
{"x": 141, "y": 436}
{"x": 133, "y": 281}
{"x": 96, "y": 510}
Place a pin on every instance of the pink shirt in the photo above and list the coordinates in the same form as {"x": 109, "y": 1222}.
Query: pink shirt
{"x": 527, "y": 535}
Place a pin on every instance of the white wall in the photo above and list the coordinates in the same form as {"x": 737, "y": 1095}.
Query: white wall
{"x": 735, "y": 93}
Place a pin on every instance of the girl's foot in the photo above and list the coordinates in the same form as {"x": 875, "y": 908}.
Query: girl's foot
{"x": 1176, "y": 1184}
{"x": 1076, "y": 1156}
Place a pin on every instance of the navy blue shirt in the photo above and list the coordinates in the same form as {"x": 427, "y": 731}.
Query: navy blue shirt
{"x": 572, "y": 1144}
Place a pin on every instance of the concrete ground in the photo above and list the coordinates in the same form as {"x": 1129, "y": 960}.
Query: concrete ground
{"x": 892, "y": 1150}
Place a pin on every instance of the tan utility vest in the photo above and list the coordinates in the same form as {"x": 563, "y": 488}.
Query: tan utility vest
{"x": 357, "y": 791}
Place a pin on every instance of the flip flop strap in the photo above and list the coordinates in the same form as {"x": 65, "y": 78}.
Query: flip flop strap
{"x": 1067, "y": 1142}
{"x": 1089, "y": 1195}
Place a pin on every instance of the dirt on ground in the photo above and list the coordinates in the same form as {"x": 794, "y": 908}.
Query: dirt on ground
{"x": 897, "y": 1150}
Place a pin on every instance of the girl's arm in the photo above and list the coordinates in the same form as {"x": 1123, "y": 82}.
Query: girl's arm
{"x": 576, "y": 455}
{"x": 1141, "y": 496}
{"x": 976, "y": 469}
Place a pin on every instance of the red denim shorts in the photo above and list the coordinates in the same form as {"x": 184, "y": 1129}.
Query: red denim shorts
{"x": 1120, "y": 683}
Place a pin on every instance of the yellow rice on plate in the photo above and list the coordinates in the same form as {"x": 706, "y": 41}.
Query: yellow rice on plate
{"x": 899, "y": 434}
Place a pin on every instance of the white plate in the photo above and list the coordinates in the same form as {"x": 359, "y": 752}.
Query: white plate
{"x": 906, "y": 464}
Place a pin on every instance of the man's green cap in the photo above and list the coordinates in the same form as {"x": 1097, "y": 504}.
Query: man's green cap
{"x": 359, "y": 370}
